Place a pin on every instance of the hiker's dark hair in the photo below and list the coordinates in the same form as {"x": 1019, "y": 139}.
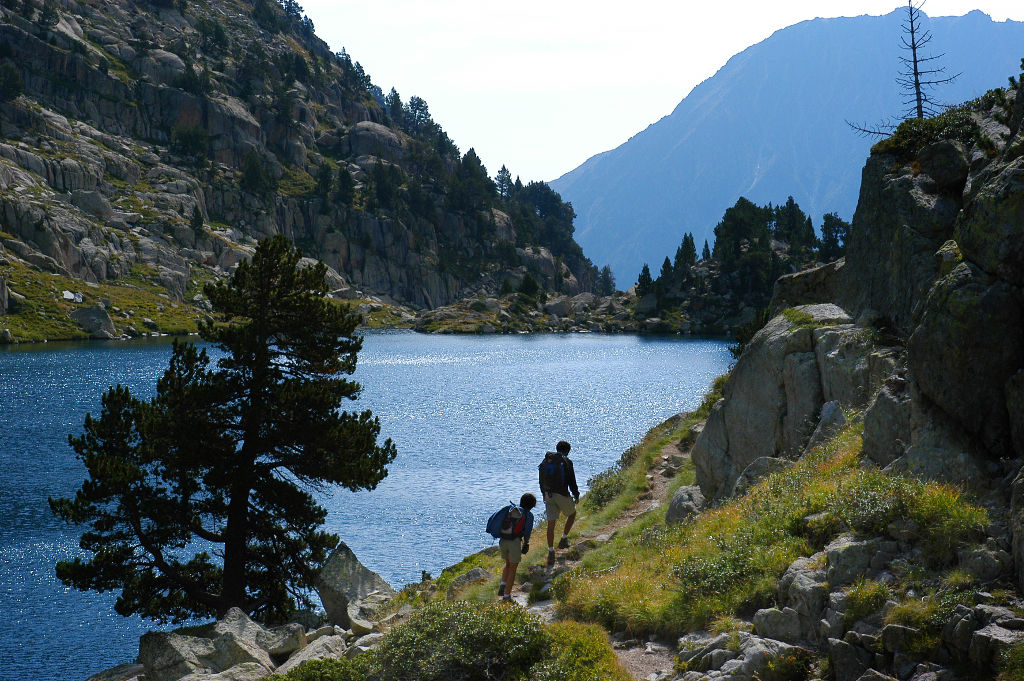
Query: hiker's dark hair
{"x": 528, "y": 501}
{"x": 563, "y": 447}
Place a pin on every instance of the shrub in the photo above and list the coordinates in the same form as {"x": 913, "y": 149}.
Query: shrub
{"x": 191, "y": 140}
{"x": 604, "y": 487}
{"x": 11, "y": 84}
{"x": 794, "y": 665}
{"x": 255, "y": 176}
{"x": 460, "y": 640}
{"x": 328, "y": 669}
{"x": 915, "y": 133}
{"x": 578, "y": 652}
{"x": 529, "y": 287}
{"x": 864, "y": 598}
{"x": 1011, "y": 666}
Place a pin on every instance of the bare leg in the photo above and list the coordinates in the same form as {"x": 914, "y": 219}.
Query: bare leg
{"x": 568, "y": 525}
{"x": 508, "y": 576}
{"x": 551, "y": 532}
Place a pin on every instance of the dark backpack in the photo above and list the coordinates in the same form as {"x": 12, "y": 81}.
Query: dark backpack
{"x": 552, "y": 473}
{"x": 502, "y": 525}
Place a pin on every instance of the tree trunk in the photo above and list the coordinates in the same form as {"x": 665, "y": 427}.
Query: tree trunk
{"x": 236, "y": 532}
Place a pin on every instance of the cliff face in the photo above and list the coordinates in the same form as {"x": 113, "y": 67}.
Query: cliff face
{"x": 162, "y": 139}
{"x": 920, "y": 329}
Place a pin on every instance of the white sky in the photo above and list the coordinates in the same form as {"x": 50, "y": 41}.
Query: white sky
{"x": 541, "y": 86}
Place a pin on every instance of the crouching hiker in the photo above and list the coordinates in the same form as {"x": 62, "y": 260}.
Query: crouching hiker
{"x": 557, "y": 480}
{"x": 512, "y": 526}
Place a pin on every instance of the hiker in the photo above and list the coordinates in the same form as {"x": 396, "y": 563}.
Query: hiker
{"x": 512, "y": 526}
{"x": 557, "y": 480}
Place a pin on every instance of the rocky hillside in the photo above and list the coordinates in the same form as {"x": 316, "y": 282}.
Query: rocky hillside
{"x": 148, "y": 145}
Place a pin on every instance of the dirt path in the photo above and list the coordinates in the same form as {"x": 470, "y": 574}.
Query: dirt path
{"x": 643, "y": 659}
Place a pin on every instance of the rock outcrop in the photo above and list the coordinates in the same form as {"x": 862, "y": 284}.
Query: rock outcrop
{"x": 235, "y": 648}
{"x": 772, "y": 403}
{"x": 345, "y": 584}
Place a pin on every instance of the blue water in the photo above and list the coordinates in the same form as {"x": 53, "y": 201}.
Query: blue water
{"x": 471, "y": 417}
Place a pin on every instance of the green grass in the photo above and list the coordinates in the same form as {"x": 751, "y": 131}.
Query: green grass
{"x": 296, "y": 182}
{"x": 727, "y": 561}
{"x": 865, "y": 597}
{"x": 1011, "y": 667}
{"x": 928, "y": 601}
{"x": 43, "y": 315}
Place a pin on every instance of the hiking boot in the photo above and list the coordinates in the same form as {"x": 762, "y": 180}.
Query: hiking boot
{"x": 564, "y": 543}
{"x": 551, "y": 558}
{"x": 501, "y": 589}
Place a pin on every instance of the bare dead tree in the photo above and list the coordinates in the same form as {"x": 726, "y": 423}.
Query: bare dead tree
{"x": 919, "y": 74}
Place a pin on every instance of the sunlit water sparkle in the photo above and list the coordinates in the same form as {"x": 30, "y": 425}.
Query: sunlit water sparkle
{"x": 471, "y": 417}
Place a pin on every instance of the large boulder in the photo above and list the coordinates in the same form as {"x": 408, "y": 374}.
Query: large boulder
{"x": 776, "y": 389}
{"x": 333, "y": 646}
{"x": 989, "y": 230}
{"x": 687, "y": 501}
{"x": 758, "y": 469}
{"x": 887, "y": 423}
{"x": 831, "y": 421}
{"x": 95, "y": 321}
{"x": 4, "y": 296}
{"x": 901, "y": 220}
{"x": 373, "y": 139}
{"x": 474, "y": 576}
{"x": 344, "y": 580}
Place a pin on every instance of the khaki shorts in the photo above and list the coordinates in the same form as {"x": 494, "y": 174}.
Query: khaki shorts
{"x": 511, "y": 549}
{"x": 557, "y": 503}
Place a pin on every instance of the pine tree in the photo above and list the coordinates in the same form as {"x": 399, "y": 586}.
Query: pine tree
{"x": 393, "y": 103}
{"x": 834, "y": 231}
{"x": 503, "y": 181}
{"x": 706, "y": 253}
{"x": 644, "y": 283}
{"x": 196, "y": 222}
{"x": 346, "y": 188}
{"x": 200, "y": 499}
{"x": 605, "y": 282}
{"x": 665, "y": 276}
{"x": 324, "y": 181}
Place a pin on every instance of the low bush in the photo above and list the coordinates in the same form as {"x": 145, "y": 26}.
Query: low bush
{"x": 864, "y": 598}
{"x": 472, "y": 642}
{"x": 460, "y": 640}
{"x": 1011, "y": 666}
{"x": 578, "y": 652}
{"x": 323, "y": 670}
{"x": 915, "y": 133}
{"x": 795, "y": 665}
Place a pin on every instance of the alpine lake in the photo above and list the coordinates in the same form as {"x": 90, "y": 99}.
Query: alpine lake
{"x": 471, "y": 417}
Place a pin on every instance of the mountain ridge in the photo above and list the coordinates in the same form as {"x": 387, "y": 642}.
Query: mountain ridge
{"x": 634, "y": 202}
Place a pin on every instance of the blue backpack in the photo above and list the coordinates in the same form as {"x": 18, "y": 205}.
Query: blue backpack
{"x": 503, "y": 526}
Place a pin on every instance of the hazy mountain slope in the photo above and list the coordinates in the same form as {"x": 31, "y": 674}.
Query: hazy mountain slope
{"x": 768, "y": 125}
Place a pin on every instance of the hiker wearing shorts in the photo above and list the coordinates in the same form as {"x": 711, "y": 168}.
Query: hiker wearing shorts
{"x": 557, "y": 482}
{"x": 512, "y": 526}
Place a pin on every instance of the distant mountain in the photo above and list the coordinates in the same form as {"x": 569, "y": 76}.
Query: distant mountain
{"x": 768, "y": 125}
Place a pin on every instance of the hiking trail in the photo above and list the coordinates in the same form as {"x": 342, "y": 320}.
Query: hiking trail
{"x": 643, "y": 659}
